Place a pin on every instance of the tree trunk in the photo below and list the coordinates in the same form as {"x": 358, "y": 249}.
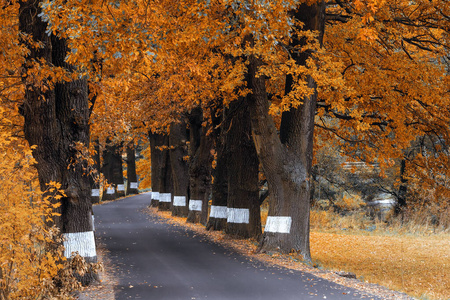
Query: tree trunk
{"x": 56, "y": 121}
{"x": 402, "y": 190}
{"x": 166, "y": 183}
{"x": 117, "y": 171}
{"x": 156, "y": 141}
{"x": 180, "y": 168}
{"x": 111, "y": 169}
{"x": 132, "y": 180}
{"x": 200, "y": 160}
{"x": 287, "y": 162}
{"x": 243, "y": 213}
{"x": 94, "y": 179}
{"x": 219, "y": 189}
{"x": 288, "y": 221}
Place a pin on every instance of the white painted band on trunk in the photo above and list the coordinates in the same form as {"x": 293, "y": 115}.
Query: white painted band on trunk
{"x": 81, "y": 242}
{"x": 121, "y": 187}
{"x": 165, "y": 197}
{"x": 110, "y": 190}
{"x": 95, "y": 193}
{"x": 238, "y": 215}
{"x": 218, "y": 212}
{"x": 278, "y": 224}
{"x": 155, "y": 195}
{"x": 179, "y": 201}
{"x": 134, "y": 185}
{"x": 195, "y": 205}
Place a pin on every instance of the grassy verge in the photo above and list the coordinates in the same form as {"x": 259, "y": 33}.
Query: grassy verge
{"x": 411, "y": 257}
{"x": 416, "y": 265}
{"x": 291, "y": 261}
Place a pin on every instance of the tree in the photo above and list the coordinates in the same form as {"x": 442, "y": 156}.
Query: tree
{"x": 156, "y": 142}
{"x": 113, "y": 172}
{"x": 119, "y": 181}
{"x": 56, "y": 120}
{"x": 94, "y": 174}
{"x": 222, "y": 75}
{"x": 132, "y": 180}
{"x": 178, "y": 153}
{"x": 219, "y": 189}
{"x": 166, "y": 178}
{"x": 364, "y": 77}
{"x": 286, "y": 160}
{"x": 200, "y": 160}
{"x": 243, "y": 218}
{"x": 393, "y": 61}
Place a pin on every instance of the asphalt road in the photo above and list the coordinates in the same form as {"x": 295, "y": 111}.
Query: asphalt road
{"x": 155, "y": 260}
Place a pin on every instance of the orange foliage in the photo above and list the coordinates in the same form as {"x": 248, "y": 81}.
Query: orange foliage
{"x": 381, "y": 71}
{"x": 30, "y": 251}
{"x": 381, "y": 74}
{"x": 416, "y": 265}
{"x": 32, "y": 265}
{"x": 143, "y": 168}
{"x": 392, "y": 60}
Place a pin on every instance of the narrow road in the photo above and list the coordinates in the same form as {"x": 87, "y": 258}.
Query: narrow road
{"x": 155, "y": 260}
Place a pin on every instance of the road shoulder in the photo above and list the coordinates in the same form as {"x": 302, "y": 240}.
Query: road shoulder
{"x": 248, "y": 249}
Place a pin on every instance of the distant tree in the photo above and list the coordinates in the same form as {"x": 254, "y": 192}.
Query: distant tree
{"x": 113, "y": 171}
{"x": 156, "y": 143}
{"x": 166, "y": 180}
{"x": 132, "y": 180}
{"x": 94, "y": 175}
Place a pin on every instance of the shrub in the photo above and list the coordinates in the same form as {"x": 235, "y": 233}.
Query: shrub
{"x": 32, "y": 265}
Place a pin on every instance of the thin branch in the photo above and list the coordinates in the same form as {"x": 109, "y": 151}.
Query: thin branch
{"x": 337, "y": 134}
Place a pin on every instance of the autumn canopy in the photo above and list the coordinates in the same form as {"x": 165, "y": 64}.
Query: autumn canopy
{"x": 233, "y": 95}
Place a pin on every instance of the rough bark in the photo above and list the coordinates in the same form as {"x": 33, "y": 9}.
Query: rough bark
{"x": 180, "y": 168}
{"x": 402, "y": 190}
{"x": 113, "y": 171}
{"x": 219, "y": 189}
{"x": 284, "y": 172}
{"x": 286, "y": 162}
{"x": 244, "y": 218}
{"x": 56, "y": 120}
{"x": 94, "y": 175}
{"x": 117, "y": 171}
{"x": 132, "y": 180}
{"x": 156, "y": 141}
{"x": 166, "y": 180}
{"x": 109, "y": 191}
{"x": 200, "y": 160}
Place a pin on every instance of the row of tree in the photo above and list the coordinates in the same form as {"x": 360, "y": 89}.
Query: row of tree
{"x": 192, "y": 166}
{"x": 256, "y": 83}
{"x": 369, "y": 76}
{"x": 109, "y": 164}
